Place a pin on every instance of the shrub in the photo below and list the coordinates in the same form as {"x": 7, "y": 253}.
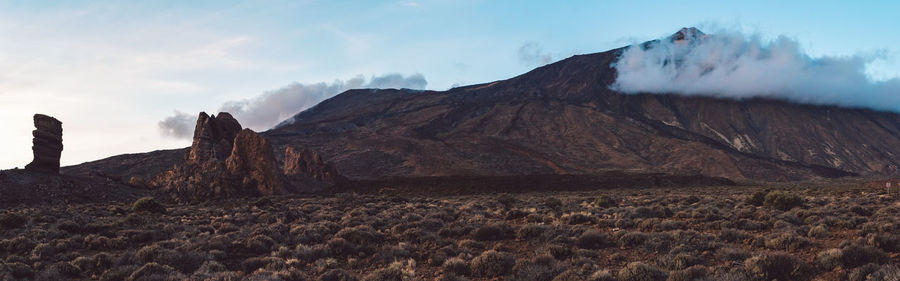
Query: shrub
{"x": 575, "y": 274}
{"x": 12, "y": 220}
{"x": 786, "y": 241}
{"x": 602, "y": 275}
{"x": 605, "y": 201}
{"x": 829, "y": 259}
{"x": 147, "y": 204}
{"x": 506, "y": 200}
{"x": 818, "y": 231}
{"x": 361, "y": 235}
{"x": 858, "y": 255}
{"x": 885, "y": 241}
{"x": 732, "y": 254}
{"x": 531, "y": 271}
{"x": 679, "y": 261}
{"x": 757, "y": 198}
{"x": 638, "y": 271}
{"x": 493, "y": 232}
{"x": 862, "y": 273}
{"x": 777, "y": 266}
{"x": 553, "y": 203}
{"x": 154, "y": 271}
{"x": 689, "y": 274}
{"x": 889, "y": 272}
{"x": 633, "y": 239}
{"x": 782, "y": 200}
{"x": 560, "y": 251}
{"x": 118, "y": 273}
{"x": 19, "y": 270}
{"x": 530, "y": 231}
{"x": 493, "y": 264}
{"x": 186, "y": 262}
{"x": 394, "y": 272}
{"x": 733, "y": 236}
{"x": 66, "y": 269}
{"x": 336, "y": 275}
{"x": 578, "y": 218}
{"x": 43, "y": 251}
{"x": 456, "y": 266}
{"x": 593, "y": 240}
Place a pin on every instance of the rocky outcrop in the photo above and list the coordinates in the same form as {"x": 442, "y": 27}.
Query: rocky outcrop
{"x": 213, "y": 137}
{"x": 249, "y": 168}
{"x": 47, "y": 144}
{"x": 253, "y": 159}
{"x": 309, "y": 164}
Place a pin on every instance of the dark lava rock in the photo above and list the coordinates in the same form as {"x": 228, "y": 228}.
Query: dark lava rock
{"x": 249, "y": 168}
{"x": 213, "y": 136}
{"x": 47, "y": 144}
{"x": 309, "y": 164}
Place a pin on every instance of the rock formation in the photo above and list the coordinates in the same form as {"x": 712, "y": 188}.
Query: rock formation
{"x": 226, "y": 162}
{"x": 253, "y": 158}
{"x": 307, "y": 163}
{"x": 213, "y": 136}
{"x": 47, "y": 144}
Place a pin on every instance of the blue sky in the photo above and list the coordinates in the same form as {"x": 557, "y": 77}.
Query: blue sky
{"x": 112, "y": 70}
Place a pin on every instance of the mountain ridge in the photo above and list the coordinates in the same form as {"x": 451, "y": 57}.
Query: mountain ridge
{"x": 563, "y": 118}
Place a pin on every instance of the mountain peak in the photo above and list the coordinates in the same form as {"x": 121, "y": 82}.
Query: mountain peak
{"x": 687, "y": 33}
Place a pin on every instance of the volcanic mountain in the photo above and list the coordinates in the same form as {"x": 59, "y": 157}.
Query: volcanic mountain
{"x": 563, "y": 119}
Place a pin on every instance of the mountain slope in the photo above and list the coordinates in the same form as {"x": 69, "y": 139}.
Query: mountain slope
{"x": 562, "y": 118}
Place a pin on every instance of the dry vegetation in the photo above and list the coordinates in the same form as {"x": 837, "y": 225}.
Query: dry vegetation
{"x": 733, "y": 233}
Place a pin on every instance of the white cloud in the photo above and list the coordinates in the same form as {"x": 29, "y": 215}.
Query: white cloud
{"x": 738, "y": 66}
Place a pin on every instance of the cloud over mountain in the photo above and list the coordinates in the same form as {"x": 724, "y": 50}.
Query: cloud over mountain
{"x": 267, "y": 109}
{"x": 735, "y": 65}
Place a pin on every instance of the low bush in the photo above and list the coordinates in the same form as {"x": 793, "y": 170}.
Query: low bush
{"x": 147, "y": 204}
{"x": 12, "y": 220}
{"x": 756, "y": 199}
{"x": 782, "y": 200}
{"x": 858, "y": 255}
{"x": 456, "y": 266}
{"x": 689, "y": 274}
{"x": 593, "y": 240}
{"x": 493, "y": 232}
{"x": 527, "y": 270}
{"x": 776, "y": 266}
{"x": 605, "y": 201}
{"x": 336, "y": 275}
{"x": 492, "y": 264}
{"x": 638, "y": 271}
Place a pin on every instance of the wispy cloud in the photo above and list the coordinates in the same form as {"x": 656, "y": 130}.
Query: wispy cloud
{"x": 532, "y": 54}
{"x": 269, "y": 108}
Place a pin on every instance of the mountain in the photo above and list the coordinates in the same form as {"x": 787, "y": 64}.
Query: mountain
{"x": 563, "y": 119}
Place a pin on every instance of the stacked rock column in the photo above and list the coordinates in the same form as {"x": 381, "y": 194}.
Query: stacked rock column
{"x": 47, "y": 144}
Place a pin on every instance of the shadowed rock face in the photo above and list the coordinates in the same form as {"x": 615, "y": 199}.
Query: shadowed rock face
{"x": 47, "y": 144}
{"x": 253, "y": 159}
{"x": 307, "y": 163}
{"x": 213, "y": 136}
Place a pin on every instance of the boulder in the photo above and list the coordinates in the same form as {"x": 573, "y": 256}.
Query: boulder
{"x": 47, "y": 144}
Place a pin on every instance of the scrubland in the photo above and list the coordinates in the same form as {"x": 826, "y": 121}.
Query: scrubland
{"x": 700, "y": 233}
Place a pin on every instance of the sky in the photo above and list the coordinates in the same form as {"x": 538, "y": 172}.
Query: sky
{"x": 125, "y": 76}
